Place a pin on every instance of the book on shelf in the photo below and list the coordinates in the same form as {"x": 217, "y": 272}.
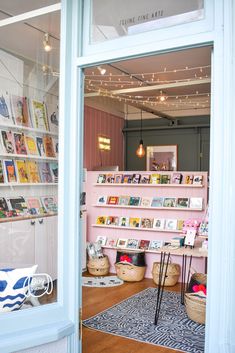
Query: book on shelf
{"x": 180, "y": 223}
{"x": 101, "y": 239}
{"x": 197, "y": 180}
{"x": 117, "y": 178}
{"x": 32, "y": 170}
{"x": 8, "y": 143}
{"x": 144, "y": 244}
{"x": 155, "y": 179}
{"x": 146, "y": 222}
{"x": 101, "y": 179}
{"x": 112, "y": 221}
{"x": 38, "y": 115}
{"x": 134, "y": 222}
{"x": 127, "y": 178}
{"x": 145, "y": 179}
{"x": 48, "y": 146}
{"x": 112, "y": 200}
{"x": 146, "y": 201}
{"x": 136, "y": 178}
{"x": 10, "y": 171}
{"x": 158, "y": 223}
{"x": 169, "y": 202}
{"x": 53, "y": 117}
{"x": 20, "y": 111}
{"x": 157, "y": 202}
{"x": 2, "y": 178}
{"x": 20, "y": 145}
{"x": 101, "y": 220}
{"x": 109, "y": 178}
{"x": 54, "y": 171}
{"x": 40, "y": 146}
{"x": 3, "y": 207}
{"x": 124, "y": 200}
{"x": 21, "y": 170}
{"x": 121, "y": 243}
{"x": 102, "y": 200}
{"x": 45, "y": 172}
{"x": 111, "y": 242}
{"x": 5, "y": 109}
{"x": 124, "y": 221}
{"x": 134, "y": 201}
{"x": 156, "y": 244}
{"x": 49, "y": 203}
{"x": 188, "y": 179}
{"x": 182, "y": 202}
{"x": 18, "y": 204}
{"x": 196, "y": 202}
{"x": 56, "y": 146}
{"x": 171, "y": 224}
{"x": 31, "y": 145}
{"x": 177, "y": 178}
{"x": 165, "y": 179}
{"x": 34, "y": 206}
{"x": 132, "y": 244}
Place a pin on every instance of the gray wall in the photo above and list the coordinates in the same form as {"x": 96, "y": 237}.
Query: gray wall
{"x": 193, "y": 142}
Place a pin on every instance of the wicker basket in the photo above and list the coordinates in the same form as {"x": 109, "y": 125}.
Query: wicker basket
{"x": 172, "y": 275}
{"x": 98, "y": 267}
{"x": 195, "y": 307}
{"x": 129, "y": 272}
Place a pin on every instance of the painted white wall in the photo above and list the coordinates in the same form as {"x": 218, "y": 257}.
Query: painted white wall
{"x": 60, "y": 346}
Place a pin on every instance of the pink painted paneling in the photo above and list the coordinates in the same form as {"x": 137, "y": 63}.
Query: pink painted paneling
{"x": 99, "y": 123}
{"x": 93, "y": 191}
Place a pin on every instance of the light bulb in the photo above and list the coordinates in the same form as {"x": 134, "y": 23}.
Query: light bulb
{"x": 47, "y": 46}
{"x": 140, "y": 152}
{"x": 101, "y": 70}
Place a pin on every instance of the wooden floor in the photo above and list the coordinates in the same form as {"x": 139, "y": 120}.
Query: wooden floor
{"x": 98, "y": 299}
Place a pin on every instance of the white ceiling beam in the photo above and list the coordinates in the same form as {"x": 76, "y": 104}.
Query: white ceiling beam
{"x": 152, "y": 88}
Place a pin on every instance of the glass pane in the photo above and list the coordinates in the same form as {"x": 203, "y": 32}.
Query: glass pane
{"x": 112, "y": 19}
{"x": 12, "y": 8}
{"x": 29, "y": 91}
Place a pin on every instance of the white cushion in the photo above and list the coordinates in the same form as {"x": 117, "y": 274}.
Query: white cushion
{"x": 14, "y": 287}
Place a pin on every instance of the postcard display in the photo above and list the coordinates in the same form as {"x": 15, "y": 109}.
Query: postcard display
{"x": 28, "y": 179}
{"x": 145, "y": 212}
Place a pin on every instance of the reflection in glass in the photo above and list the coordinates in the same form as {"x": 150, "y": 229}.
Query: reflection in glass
{"x": 29, "y": 146}
{"x": 112, "y": 19}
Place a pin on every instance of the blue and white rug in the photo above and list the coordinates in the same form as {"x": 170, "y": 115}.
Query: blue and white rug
{"x": 133, "y": 318}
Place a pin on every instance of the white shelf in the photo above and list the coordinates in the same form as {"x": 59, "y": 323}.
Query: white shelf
{"x": 150, "y": 185}
{"x": 29, "y": 129}
{"x": 178, "y": 252}
{"x": 27, "y": 156}
{"x": 137, "y": 228}
{"x": 150, "y": 208}
{"x": 26, "y": 184}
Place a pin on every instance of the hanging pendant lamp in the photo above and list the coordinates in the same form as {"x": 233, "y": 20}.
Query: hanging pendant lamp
{"x": 140, "y": 152}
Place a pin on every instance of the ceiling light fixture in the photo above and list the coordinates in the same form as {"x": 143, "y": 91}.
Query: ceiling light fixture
{"x": 46, "y": 44}
{"x": 101, "y": 70}
{"x": 140, "y": 152}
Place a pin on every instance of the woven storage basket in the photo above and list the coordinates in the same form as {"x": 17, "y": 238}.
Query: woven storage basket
{"x": 195, "y": 308}
{"x": 129, "y": 272}
{"x": 172, "y": 275}
{"x": 98, "y": 267}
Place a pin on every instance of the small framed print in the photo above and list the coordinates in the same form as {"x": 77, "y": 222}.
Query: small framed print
{"x": 102, "y": 200}
{"x": 155, "y": 244}
{"x": 196, "y": 202}
{"x": 101, "y": 240}
{"x": 111, "y": 242}
{"x": 146, "y": 222}
{"x": 171, "y": 224}
{"x": 132, "y": 244}
{"x": 190, "y": 237}
{"x": 134, "y": 222}
{"x": 182, "y": 202}
{"x": 118, "y": 178}
{"x": 158, "y": 223}
{"x": 124, "y": 221}
{"x": 121, "y": 243}
{"x": 144, "y": 244}
{"x": 169, "y": 202}
{"x": 146, "y": 201}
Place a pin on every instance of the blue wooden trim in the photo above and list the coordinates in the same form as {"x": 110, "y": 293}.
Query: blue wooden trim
{"x": 35, "y": 337}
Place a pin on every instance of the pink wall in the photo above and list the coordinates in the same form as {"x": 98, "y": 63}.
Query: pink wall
{"x": 94, "y": 191}
{"x": 98, "y": 123}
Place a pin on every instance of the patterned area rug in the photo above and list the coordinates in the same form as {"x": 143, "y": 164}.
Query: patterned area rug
{"x": 108, "y": 281}
{"x": 133, "y": 318}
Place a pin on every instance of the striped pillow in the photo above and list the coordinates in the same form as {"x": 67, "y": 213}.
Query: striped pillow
{"x": 14, "y": 287}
